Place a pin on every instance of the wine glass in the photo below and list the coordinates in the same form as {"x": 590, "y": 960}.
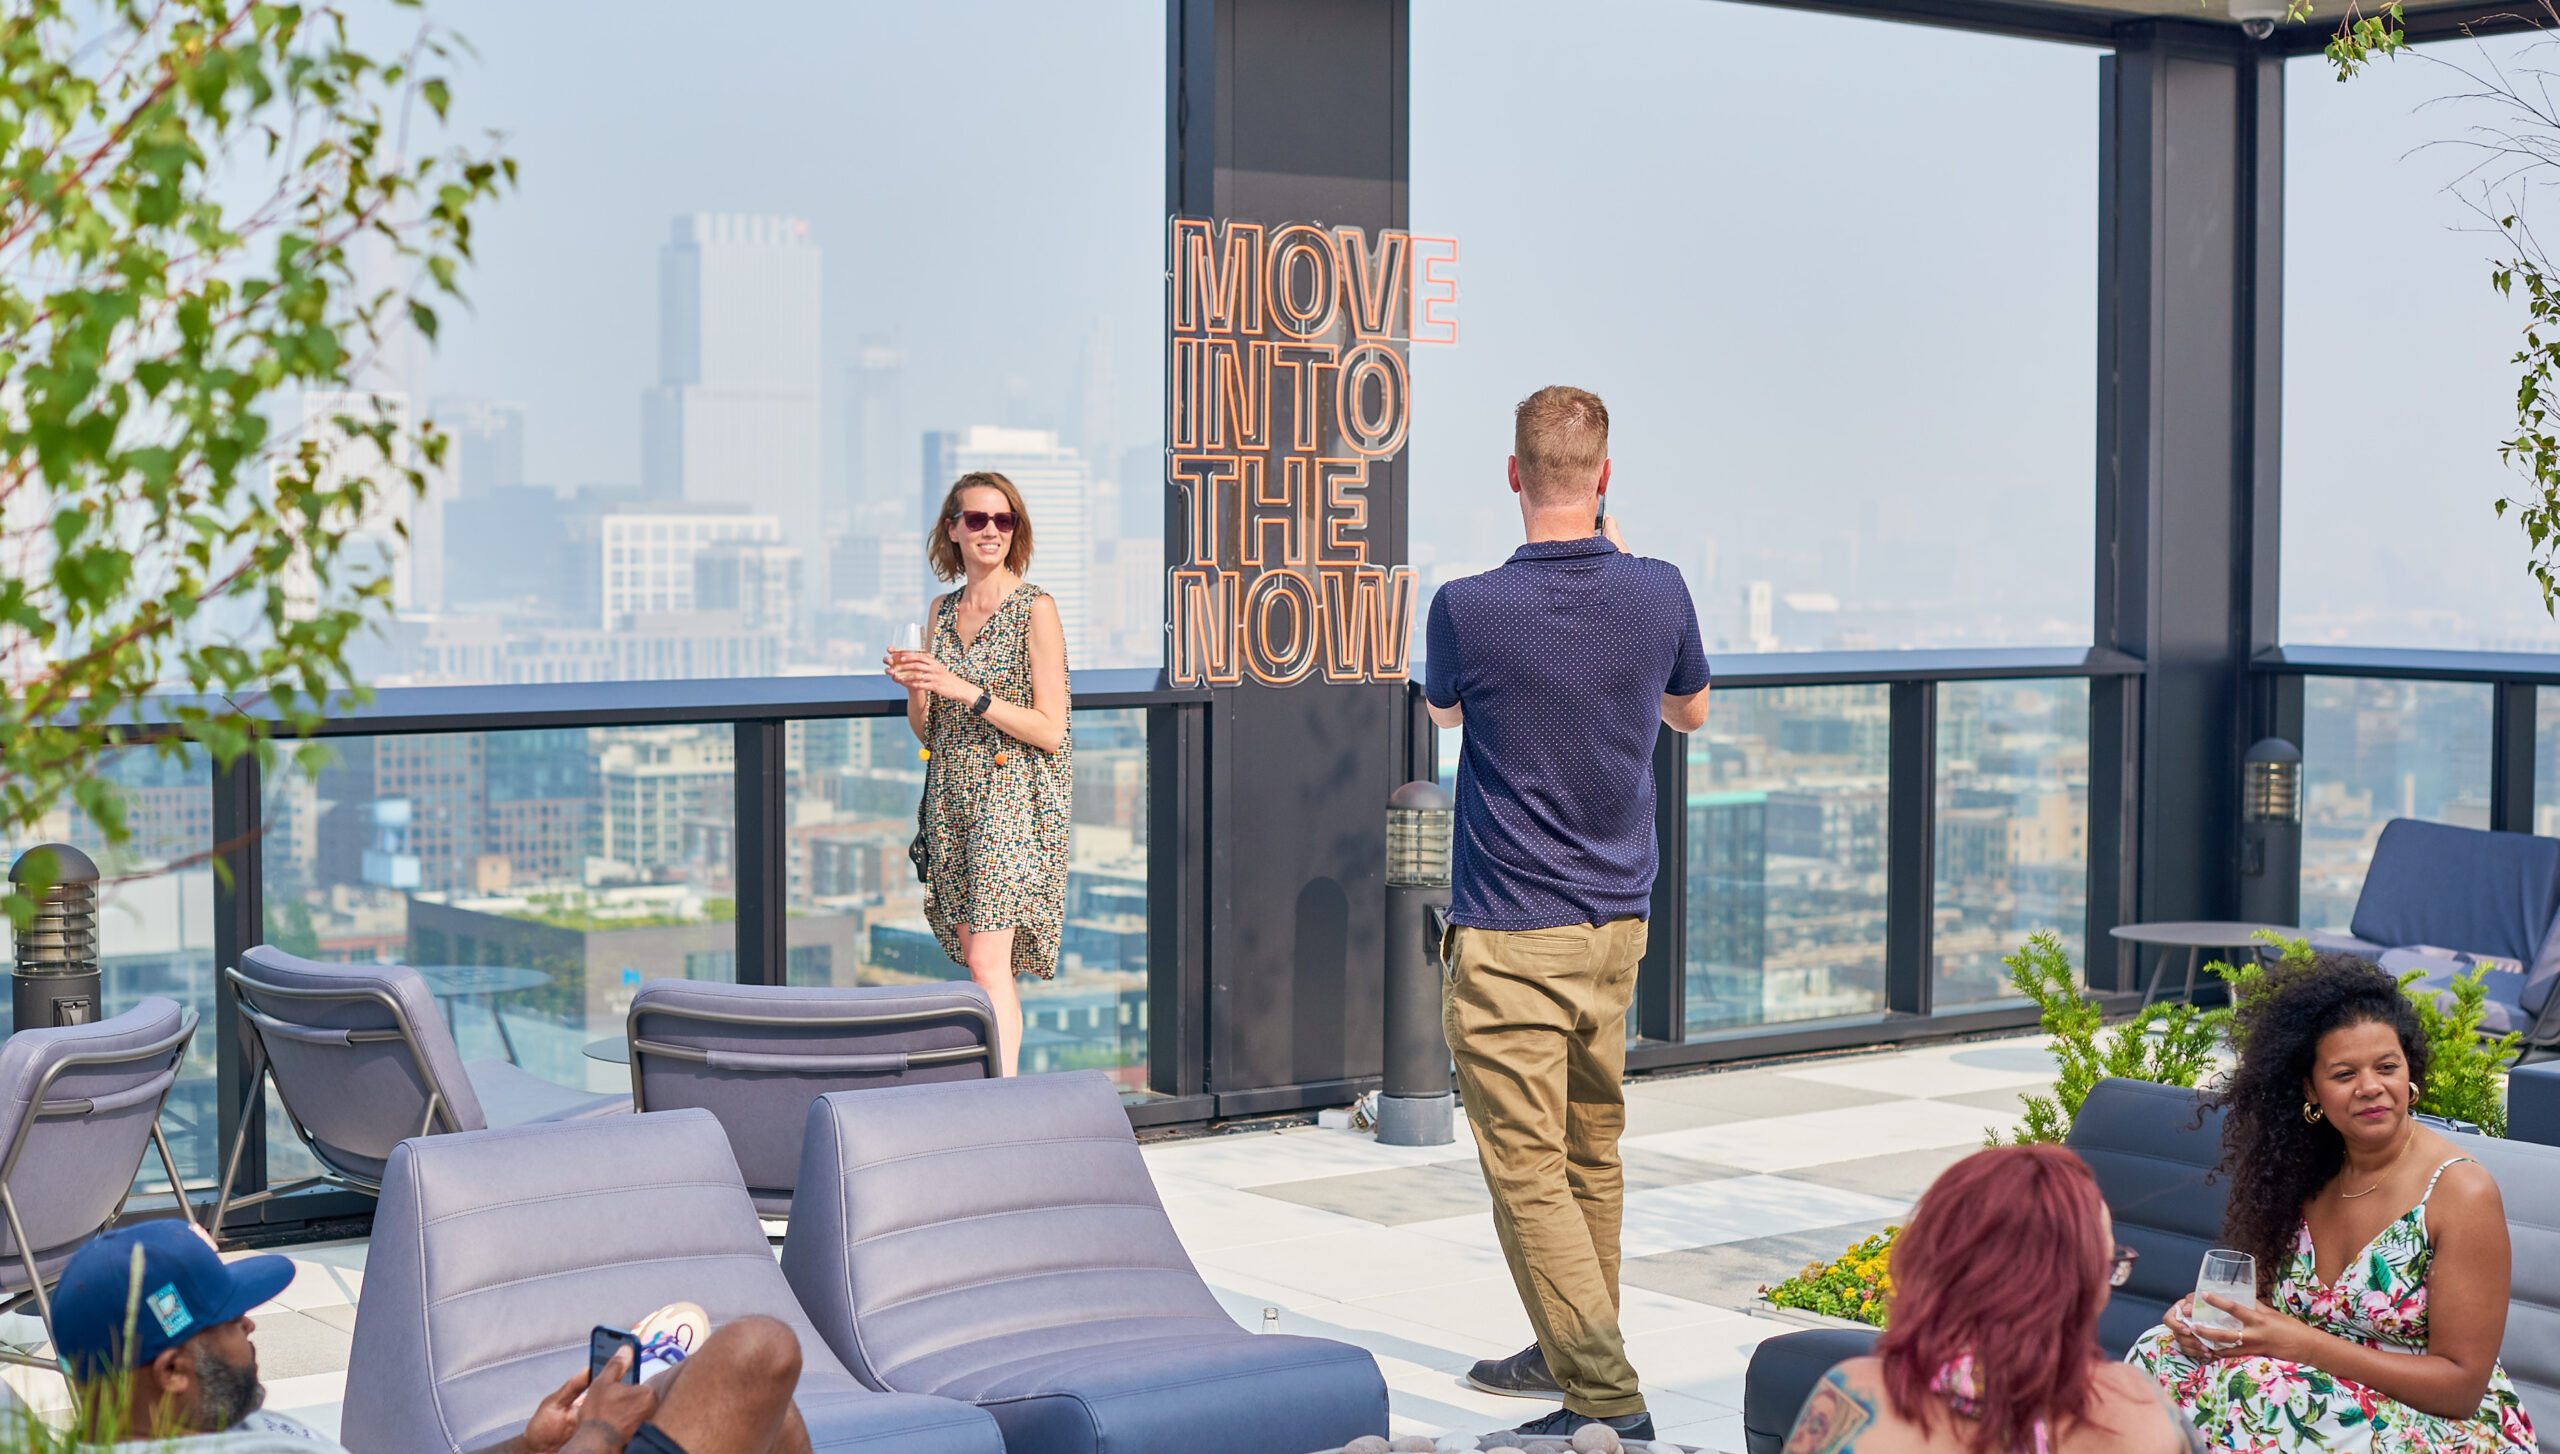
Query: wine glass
{"x": 2232, "y": 1276}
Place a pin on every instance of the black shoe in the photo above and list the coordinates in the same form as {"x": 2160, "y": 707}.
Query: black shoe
{"x": 1522, "y": 1375}
{"x": 1563, "y": 1423}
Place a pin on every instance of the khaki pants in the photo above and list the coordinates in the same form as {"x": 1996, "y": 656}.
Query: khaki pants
{"x": 1537, "y": 1023}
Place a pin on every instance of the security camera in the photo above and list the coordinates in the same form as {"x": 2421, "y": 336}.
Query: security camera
{"x": 2257, "y": 27}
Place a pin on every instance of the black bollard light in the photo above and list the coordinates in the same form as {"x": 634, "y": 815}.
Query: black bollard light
{"x": 1415, "y": 1107}
{"x": 2271, "y": 833}
{"x": 56, "y": 982}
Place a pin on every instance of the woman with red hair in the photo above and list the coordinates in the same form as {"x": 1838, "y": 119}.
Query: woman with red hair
{"x": 1992, "y": 1347}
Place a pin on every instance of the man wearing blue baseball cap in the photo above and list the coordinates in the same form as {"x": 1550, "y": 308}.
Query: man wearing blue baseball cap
{"x": 154, "y": 1306}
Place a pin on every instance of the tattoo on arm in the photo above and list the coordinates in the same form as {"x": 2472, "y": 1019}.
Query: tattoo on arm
{"x": 1833, "y": 1417}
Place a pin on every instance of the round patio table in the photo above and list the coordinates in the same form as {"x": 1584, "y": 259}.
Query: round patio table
{"x": 2194, "y": 936}
{"x": 451, "y": 982}
{"x": 612, "y": 1049}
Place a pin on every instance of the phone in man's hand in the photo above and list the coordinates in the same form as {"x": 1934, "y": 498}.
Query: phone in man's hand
{"x": 600, "y": 1346}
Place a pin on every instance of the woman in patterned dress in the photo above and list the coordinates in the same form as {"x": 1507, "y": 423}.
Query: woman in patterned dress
{"x": 2382, "y": 1249}
{"x": 988, "y": 698}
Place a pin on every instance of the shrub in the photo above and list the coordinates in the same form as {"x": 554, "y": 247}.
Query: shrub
{"x": 2178, "y": 1055}
{"x": 1856, "y": 1285}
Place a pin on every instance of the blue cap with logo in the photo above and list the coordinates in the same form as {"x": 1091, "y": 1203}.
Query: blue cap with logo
{"x": 183, "y": 1288}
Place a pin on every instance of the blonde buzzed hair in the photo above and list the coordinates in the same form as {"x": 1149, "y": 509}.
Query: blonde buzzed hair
{"x": 1561, "y": 436}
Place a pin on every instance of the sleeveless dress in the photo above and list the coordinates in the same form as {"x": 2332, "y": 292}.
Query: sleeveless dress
{"x": 2379, "y": 1300}
{"x": 996, "y": 810}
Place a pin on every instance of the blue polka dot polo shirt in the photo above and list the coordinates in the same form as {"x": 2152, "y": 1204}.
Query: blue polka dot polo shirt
{"x": 1561, "y": 657}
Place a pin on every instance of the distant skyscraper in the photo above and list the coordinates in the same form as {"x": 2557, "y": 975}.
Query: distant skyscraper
{"x": 1053, "y": 480}
{"x": 1097, "y": 416}
{"x": 1142, "y": 492}
{"x": 941, "y": 467}
{"x": 416, "y": 566}
{"x": 735, "y": 414}
{"x": 488, "y": 444}
{"x": 877, "y": 436}
{"x": 758, "y": 579}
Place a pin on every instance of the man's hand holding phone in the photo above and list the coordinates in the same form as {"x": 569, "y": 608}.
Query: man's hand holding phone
{"x": 1609, "y": 532}
{"x": 592, "y": 1413}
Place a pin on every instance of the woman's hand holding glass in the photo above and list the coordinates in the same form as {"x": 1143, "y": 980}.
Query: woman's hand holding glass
{"x": 2263, "y": 1331}
{"x": 923, "y": 671}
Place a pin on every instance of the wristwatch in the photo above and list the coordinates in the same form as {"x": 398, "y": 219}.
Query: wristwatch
{"x": 985, "y": 700}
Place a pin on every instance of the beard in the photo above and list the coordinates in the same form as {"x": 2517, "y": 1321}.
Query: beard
{"x": 229, "y": 1393}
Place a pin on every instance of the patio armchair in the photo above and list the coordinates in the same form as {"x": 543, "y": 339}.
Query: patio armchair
{"x": 360, "y": 1060}
{"x": 755, "y": 1056}
{"x": 79, "y": 1109}
{"x": 1000, "y": 1241}
{"x": 495, "y": 1252}
{"x": 2442, "y": 900}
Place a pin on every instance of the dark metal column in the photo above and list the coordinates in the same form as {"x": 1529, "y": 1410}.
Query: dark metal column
{"x": 2190, "y": 312}
{"x": 1286, "y": 111}
{"x": 1911, "y": 849}
{"x": 2511, "y": 724}
{"x": 239, "y": 922}
{"x": 761, "y": 867}
{"x": 1178, "y": 838}
{"x": 1661, "y": 1009}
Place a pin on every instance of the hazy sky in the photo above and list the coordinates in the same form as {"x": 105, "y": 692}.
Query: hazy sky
{"x": 986, "y": 179}
{"x": 2397, "y": 382}
{"x": 1835, "y": 277}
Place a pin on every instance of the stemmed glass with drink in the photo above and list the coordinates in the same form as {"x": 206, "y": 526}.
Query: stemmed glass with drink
{"x": 2231, "y": 1276}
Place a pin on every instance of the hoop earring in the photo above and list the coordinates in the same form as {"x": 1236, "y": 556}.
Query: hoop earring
{"x": 2310, "y": 1113}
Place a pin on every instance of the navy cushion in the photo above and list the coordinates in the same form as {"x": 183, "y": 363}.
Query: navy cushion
{"x": 1783, "y": 1372}
{"x": 2464, "y": 889}
{"x": 2504, "y": 1010}
{"x": 1236, "y": 1392}
{"x": 2154, "y": 1163}
{"x": 2533, "y": 1103}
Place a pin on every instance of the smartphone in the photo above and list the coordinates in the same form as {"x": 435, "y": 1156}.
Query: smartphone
{"x": 600, "y": 1346}
{"x": 1602, "y": 518}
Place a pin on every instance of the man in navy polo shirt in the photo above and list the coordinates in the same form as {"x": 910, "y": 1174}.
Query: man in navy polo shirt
{"x": 1559, "y": 664}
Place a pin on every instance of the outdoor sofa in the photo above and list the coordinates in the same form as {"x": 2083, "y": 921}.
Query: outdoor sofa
{"x": 2153, "y": 1148}
{"x": 2441, "y": 900}
{"x": 1000, "y": 1242}
{"x": 494, "y": 1253}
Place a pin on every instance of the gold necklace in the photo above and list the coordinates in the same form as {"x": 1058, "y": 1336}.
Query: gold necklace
{"x": 2405, "y": 1143}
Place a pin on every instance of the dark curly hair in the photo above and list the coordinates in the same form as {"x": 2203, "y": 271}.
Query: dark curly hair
{"x": 2273, "y": 1160}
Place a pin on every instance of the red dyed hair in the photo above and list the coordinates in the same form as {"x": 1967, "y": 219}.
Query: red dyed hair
{"x": 2001, "y": 1260}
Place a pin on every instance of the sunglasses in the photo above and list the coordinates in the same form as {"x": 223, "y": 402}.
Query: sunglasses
{"x": 2120, "y": 1271}
{"x": 976, "y": 520}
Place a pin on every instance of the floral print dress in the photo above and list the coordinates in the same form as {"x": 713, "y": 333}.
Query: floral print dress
{"x": 996, "y": 810}
{"x": 2379, "y": 1300}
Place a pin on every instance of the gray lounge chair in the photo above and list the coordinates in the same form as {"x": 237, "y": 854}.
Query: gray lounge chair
{"x": 2440, "y": 900}
{"x": 756, "y": 1055}
{"x": 79, "y": 1109}
{"x": 360, "y": 1059}
{"x": 1000, "y": 1241}
{"x": 494, "y": 1253}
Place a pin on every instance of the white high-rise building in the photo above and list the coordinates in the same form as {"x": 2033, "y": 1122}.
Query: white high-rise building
{"x": 735, "y": 414}
{"x": 415, "y": 565}
{"x": 1054, "y": 481}
{"x": 647, "y": 556}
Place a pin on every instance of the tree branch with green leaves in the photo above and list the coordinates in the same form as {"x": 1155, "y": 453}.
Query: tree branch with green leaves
{"x": 198, "y": 199}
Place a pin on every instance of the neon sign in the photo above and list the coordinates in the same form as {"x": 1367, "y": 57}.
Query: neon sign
{"x": 1288, "y": 362}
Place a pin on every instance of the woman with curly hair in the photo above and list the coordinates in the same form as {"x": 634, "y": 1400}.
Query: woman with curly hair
{"x": 2381, "y": 1249}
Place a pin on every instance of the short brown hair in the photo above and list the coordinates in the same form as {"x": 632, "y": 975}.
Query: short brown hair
{"x": 945, "y": 556}
{"x": 1560, "y": 435}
